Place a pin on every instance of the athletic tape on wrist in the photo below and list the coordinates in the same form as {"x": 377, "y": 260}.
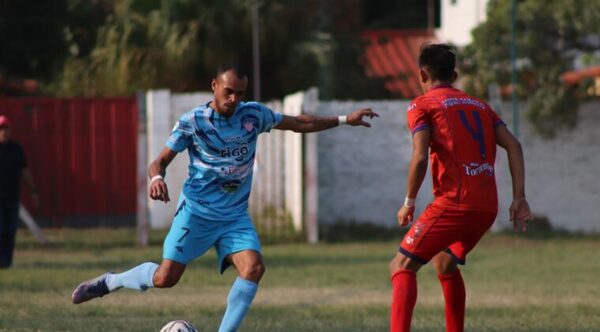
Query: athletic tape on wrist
{"x": 342, "y": 120}
{"x": 157, "y": 177}
{"x": 409, "y": 202}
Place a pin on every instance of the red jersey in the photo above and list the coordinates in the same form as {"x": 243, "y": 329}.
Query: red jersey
{"x": 462, "y": 148}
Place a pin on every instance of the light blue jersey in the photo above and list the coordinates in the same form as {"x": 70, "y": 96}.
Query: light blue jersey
{"x": 221, "y": 154}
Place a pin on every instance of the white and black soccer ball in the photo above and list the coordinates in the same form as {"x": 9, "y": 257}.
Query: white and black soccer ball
{"x": 178, "y": 326}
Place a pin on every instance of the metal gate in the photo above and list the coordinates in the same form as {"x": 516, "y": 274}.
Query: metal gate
{"x": 81, "y": 152}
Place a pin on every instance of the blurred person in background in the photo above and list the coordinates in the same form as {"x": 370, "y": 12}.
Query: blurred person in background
{"x": 13, "y": 169}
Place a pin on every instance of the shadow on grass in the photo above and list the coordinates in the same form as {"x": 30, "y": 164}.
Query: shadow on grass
{"x": 87, "y": 239}
{"x": 359, "y": 232}
{"x": 540, "y": 228}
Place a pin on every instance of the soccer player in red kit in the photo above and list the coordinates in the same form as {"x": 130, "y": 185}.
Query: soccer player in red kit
{"x": 459, "y": 134}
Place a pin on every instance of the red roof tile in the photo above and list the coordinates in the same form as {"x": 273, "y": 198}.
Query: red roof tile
{"x": 576, "y": 76}
{"x": 392, "y": 55}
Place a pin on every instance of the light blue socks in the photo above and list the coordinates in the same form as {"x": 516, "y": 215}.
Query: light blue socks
{"x": 139, "y": 278}
{"x": 238, "y": 301}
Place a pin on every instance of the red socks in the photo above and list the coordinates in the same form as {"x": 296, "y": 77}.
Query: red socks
{"x": 404, "y": 292}
{"x": 455, "y": 295}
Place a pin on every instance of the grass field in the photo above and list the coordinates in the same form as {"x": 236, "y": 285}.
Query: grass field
{"x": 513, "y": 284}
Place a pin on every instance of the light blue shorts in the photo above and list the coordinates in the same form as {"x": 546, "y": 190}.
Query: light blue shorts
{"x": 191, "y": 236}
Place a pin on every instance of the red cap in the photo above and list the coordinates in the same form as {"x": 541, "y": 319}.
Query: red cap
{"x": 4, "y": 121}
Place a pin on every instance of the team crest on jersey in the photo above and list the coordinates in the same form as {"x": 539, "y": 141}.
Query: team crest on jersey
{"x": 249, "y": 123}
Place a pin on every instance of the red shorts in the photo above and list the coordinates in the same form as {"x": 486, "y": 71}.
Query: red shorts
{"x": 439, "y": 228}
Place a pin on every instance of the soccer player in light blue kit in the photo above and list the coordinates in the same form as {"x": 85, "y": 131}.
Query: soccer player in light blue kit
{"x": 220, "y": 138}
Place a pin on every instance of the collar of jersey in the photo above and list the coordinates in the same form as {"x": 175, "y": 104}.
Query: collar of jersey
{"x": 218, "y": 115}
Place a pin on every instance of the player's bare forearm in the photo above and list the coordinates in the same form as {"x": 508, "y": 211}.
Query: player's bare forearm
{"x": 416, "y": 174}
{"x": 309, "y": 123}
{"x": 516, "y": 161}
{"x": 516, "y": 164}
{"x": 156, "y": 168}
{"x": 519, "y": 210}
{"x": 418, "y": 163}
{"x": 160, "y": 164}
{"x": 158, "y": 187}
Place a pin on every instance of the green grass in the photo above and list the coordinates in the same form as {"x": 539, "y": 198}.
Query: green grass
{"x": 513, "y": 284}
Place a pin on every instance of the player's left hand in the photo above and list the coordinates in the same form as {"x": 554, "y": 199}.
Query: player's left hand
{"x": 158, "y": 191}
{"x": 520, "y": 214}
{"x": 405, "y": 215}
{"x": 356, "y": 118}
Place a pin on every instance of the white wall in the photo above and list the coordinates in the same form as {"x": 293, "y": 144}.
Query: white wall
{"x": 362, "y": 171}
{"x": 561, "y": 174}
{"x": 458, "y": 18}
{"x": 163, "y": 110}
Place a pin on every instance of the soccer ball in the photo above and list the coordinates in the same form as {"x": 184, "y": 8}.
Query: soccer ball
{"x": 178, "y": 326}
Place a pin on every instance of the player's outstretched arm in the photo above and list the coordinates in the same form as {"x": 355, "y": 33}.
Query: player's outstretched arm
{"x": 416, "y": 173}
{"x": 519, "y": 209}
{"x": 308, "y": 123}
{"x": 156, "y": 172}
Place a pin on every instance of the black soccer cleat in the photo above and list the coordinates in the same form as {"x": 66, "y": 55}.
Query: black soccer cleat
{"x": 90, "y": 289}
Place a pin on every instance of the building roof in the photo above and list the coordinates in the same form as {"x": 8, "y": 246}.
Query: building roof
{"x": 575, "y": 77}
{"x": 392, "y": 55}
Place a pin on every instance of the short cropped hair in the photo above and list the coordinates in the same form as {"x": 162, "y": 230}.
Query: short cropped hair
{"x": 239, "y": 71}
{"x": 439, "y": 59}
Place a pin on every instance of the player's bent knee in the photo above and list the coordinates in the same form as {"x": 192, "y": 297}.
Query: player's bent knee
{"x": 401, "y": 262}
{"x": 444, "y": 264}
{"x": 253, "y": 272}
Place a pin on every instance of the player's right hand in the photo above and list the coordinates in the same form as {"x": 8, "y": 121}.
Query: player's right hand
{"x": 159, "y": 191}
{"x": 405, "y": 215}
{"x": 520, "y": 214}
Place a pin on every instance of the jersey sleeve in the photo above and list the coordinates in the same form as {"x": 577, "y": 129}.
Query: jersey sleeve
{"x": 417, "y": 118}
{"x": 497, "y": 121}
{"x": 269, "y": 119}
{"x": 182, "y": 134}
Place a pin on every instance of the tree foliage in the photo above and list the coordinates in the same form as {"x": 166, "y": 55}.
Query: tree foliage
{"x": 116, "y": 47}
{"x": 31, "y": 38}
{"x": 550, "y": 36}
{"x": 178, "y": 44}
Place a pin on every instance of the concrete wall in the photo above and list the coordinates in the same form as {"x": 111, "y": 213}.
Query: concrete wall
{"x": 163, "y": 110}
{"x": 362, "y": 171}
{"x": 561, "y": 174}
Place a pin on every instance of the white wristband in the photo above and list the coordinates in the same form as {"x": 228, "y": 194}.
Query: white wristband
{"x": 157, "y": 177}
{"x": 342, "y": 120}
{"x": 409, "y": 202}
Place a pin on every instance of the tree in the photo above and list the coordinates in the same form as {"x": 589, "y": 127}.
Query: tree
{"x": 147, "y": 44}
{"x": 550, "y": 36}
{"x": 31, "y": 38}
